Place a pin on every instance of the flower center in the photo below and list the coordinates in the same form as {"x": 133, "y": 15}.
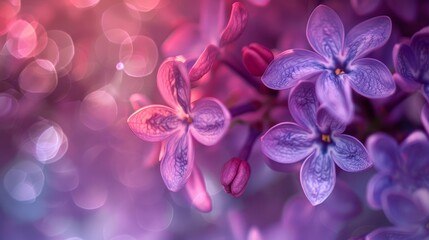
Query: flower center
{"x": 338, "y": 71}
{"x": 188, "y": 119}
{"x": 326, "y": 138}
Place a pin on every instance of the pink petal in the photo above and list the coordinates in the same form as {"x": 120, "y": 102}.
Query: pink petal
{"x": 197, "y": 192}
{"x": 204, "y": 63}
{"x": 173, "y": 84}
{"x": 154, "y": 123}
{"x": 236, "y": 24}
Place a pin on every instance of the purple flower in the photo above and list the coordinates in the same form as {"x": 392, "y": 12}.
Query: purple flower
{"x": 411, "y": 62}
{"x": 206, "y": 120}
{"x": 318, "y": 139}
{"x": 338, "y": 62}
{"x": 403, "y": 166}
{"x": 408, "y": 211}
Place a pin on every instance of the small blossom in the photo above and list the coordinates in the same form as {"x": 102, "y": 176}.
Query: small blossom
{"x": 256, "y": 58}
{"x": 408, "y": 211}
{"x": 235, "y": 175}
{"x": 399, "y": 166}
{"x": 206, "y": 120}
{"x": 317, "y": 137}
{"x": 338, "y": 62}
{"x": 411, "y": 63}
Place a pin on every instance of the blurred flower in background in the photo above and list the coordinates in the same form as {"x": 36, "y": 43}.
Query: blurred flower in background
{"x": 73, "y": 71}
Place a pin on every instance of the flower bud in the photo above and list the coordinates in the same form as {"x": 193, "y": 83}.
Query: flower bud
{"x": 256, "y": 58}
{"x": 235, "y": 175}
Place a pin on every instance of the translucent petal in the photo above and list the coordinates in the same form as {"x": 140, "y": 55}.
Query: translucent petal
{"x": 177, "y": 160}
{"x": 415, "y": 151}
{"x": 236, "y": 24}
{"x": 287, "y": 143}
{"x": 318, "y": 177}
{"x": 291, "y": 66}
{"x": 391, "y": 233}
{"x": 425, "y": 117}
{"x": 328, "y": 123}
{"x": 371, "y": 78}
{"x": 303, "y": 105}
{"x": 154, "y": 123}
{"x": 325, "y": 32}
{"x": 405, "y": 62}
{"x": 383, "y": 152}
{"x": 363, "y": 7}
{"x": 197, "y": 192}
{"x": 420, "y": 46}
{"x": 335, "y": 95}
{"x": 210, "y": 121}
{"x": 204, "y": 63}
{"x": 375, "y": 188}
{"x": 350, "y": 154}
{"x": 367, "y": 36}
{"x": 401, "y": 209}
{"x": 173, "y": 84}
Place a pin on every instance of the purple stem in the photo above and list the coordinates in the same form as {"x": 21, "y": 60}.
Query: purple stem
{"x": 247, "y": 107}
{"x": 254, "y": 132}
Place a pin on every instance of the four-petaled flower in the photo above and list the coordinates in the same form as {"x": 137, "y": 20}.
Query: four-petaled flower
{"x": 318, "y": 138}
{"x": 411, "y": 62}
{"x": 338, "y": 62}
{"x": 206, "y": 120}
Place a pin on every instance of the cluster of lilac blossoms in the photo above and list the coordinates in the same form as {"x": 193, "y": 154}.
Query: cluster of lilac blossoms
{"x": 320, "y": 102}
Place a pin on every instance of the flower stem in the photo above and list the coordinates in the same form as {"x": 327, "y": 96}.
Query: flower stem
{"x": 254, "y": 132}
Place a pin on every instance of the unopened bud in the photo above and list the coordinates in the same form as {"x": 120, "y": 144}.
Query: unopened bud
{"x": 256, "y": 58}
{"x": 235, "y": 175}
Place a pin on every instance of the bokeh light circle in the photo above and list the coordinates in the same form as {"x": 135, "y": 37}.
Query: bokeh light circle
{"x": 119, "y": 22}
{"x": 21, "y": 39}
{"x": 24, "y": 181}
{"x": 38, "y": 77}
{"x": 142, "y": 5}
{"x": 98, "y": 110}
{"x": 84, "y": 3}
{"x": 139, "y": 55}
{"x": 51, "y": 145}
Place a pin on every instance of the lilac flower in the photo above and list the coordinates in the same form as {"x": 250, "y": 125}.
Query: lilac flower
{"x": 209, "y": 38}
{"x": 318, "y": 139}
{"x": 403, "y": 166}
{"x": 408, "y": 211}
{"x": 235, "y": 175}
{"x": 338, "y": 62}
{"x": 411, "y": 63}
{"x": 207, "y": 121}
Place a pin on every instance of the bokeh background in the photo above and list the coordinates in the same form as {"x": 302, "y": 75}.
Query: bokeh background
{"x": 70, "y": 168}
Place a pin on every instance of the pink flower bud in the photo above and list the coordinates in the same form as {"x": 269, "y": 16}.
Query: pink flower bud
{"x": 256, "y": 58}
{"x": 235, "y": 175}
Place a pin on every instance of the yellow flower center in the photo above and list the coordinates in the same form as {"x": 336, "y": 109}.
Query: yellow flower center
{"x": 326, "y": 138}
{"x": 339, "y": 71}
